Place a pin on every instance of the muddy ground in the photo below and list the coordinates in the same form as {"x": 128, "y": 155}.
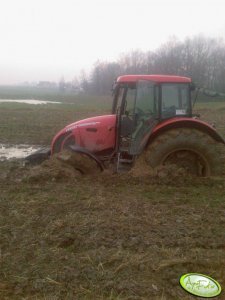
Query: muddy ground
{"x": 69, "y": 236}
{"x": 64, "y": 235}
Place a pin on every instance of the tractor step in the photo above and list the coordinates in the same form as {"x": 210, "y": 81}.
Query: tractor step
{"x": 124, "y": 164}
{"x": 128, "y": 161}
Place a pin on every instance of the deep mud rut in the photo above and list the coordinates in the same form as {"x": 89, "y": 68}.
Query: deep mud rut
{"x": 64, "y": 235}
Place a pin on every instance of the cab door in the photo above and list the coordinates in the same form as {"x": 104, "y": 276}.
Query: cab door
{"x": 139, "y": 118}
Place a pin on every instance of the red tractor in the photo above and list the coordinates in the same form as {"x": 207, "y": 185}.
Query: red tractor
{"x": 151, "y": 116}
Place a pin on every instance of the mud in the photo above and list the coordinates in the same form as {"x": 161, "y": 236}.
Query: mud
{"x": 62, "y": 167}
{"x": 53, "y": 169}
{"x": 168, "y": 174}
{"x": 68, "y": 167}
{"x": 65, "y": 235}
{"x": 81, "y": 162}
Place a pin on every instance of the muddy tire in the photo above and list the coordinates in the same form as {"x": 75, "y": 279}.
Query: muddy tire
{"x": 81, "y": 162}
{"x": 187, "y": 148}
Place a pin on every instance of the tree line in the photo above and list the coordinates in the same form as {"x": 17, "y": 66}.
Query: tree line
{"x": 201, "y": 58}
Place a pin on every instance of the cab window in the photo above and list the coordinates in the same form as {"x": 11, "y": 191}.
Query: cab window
{"x": 175, "y": 99}
{"x": 147, "y": 98}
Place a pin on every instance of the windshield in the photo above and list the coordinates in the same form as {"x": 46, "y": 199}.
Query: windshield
{"x": 130, "y": 100}
{"x": 147, "y": 98}
{"x": 175, "y": 99}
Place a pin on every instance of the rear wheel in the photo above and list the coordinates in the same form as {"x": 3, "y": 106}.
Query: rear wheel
{"x": 191, "y": 149}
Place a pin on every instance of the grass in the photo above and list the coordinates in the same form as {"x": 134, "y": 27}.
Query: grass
{"x": 37, "y": 124}
{"x": 129, "y": 236}
{"x": 38, "y": 93}
{"x": 109, "y": 238}
{"x": 211, "y": 105}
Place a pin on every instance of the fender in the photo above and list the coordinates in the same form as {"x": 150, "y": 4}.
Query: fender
{"x": 60, "y": 138}
{"x": 186, "y": 123}
{"x": 87, "y": 153}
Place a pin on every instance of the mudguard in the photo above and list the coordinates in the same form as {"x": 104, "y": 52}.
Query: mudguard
{"x": 87, "y": 153}
{"x": 185, "y": 123}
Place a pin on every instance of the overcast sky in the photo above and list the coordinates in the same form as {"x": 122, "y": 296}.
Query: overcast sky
{"x": 47, "y": 39}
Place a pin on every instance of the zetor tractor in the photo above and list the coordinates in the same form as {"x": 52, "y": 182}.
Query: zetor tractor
{"x": 151, "y": 116}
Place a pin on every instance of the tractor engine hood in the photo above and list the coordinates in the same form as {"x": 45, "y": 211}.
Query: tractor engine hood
{"x": 94, "y": 134}
{"x": 88, "y": 123}
{"x": 94, "y": 122}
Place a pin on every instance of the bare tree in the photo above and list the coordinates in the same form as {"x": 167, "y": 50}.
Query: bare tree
{"x": 199, "y": 57}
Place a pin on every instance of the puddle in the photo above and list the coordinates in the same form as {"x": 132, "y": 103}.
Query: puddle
{"x": 16, "y": 151}
{"x": 29, "y": 101}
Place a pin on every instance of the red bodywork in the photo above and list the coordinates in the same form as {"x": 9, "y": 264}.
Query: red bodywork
{"x": 98, "y": 134}
{"x": 154, "y": 78}
{"x": 94, "y": 134}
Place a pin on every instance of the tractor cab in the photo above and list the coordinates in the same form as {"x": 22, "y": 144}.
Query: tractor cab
{"x": 143, "y": 101}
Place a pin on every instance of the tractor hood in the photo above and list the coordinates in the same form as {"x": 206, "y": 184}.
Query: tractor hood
{"x": 94, "y": 122}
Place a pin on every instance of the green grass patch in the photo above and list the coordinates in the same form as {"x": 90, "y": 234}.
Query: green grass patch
{"x": 37, "y": 124}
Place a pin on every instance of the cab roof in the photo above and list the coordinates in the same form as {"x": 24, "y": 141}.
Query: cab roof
{"x": 155, "y": 78}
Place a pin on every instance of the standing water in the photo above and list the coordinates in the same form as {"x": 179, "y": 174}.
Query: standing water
{"x": 16, "y": 151}
{"x": 20, "y": 151}
{"x": 29, "y": 101}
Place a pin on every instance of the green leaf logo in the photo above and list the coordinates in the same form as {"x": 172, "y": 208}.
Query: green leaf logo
{"x": 200, "y": 285}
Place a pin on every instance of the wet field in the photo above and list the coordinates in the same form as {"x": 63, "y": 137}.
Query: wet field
{"x": 103, "y": 236}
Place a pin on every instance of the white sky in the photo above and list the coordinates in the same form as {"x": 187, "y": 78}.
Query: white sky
{"x": 45, "y": 39}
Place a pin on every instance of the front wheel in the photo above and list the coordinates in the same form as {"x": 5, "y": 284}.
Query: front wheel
{"x": 187, "y": 148}
{"x": 82, "y": 162}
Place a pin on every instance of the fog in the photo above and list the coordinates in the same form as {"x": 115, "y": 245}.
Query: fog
{"x": 48, "y": 39}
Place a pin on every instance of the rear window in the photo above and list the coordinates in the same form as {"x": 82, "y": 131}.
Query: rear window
{"x": 175, "y": 99}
